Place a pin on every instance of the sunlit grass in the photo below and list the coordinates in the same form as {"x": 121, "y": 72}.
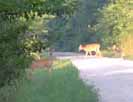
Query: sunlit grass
{"x": 110, "y": 54}
{"x": 61, "y": 64}
{"x": 129, "y": 57}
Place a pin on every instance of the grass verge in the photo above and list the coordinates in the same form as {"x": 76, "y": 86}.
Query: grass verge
{"x": 107, "y": 53}
{"x": 129, "y": 57}
{"x": 61, "y": 85}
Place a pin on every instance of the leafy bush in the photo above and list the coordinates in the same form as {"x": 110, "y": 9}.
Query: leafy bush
{"x": 17, "y": 17}
{"x": 13, "y": 59}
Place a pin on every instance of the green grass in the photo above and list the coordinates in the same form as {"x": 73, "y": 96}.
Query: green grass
{"x": 61, "y": 85}
{"x": 107, "y": 53}
{"x": 129, "y": 57}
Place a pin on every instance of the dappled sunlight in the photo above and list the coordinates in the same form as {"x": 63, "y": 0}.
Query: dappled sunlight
{"x": 58, "y": 64}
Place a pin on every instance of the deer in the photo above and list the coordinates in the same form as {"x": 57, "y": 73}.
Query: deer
{"x": 118, "y": 50}
{"x": 89, "y": 48}
{"x": 42, "y": 63}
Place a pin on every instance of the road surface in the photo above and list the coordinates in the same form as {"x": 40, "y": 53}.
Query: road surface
{"x": 113, "y": 77}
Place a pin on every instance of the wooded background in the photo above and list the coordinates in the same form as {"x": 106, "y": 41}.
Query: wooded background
{"x": 28, "y": 26}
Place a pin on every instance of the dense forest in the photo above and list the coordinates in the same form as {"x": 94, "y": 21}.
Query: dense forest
{"x": 79, "y": 28}
{"x": 106, "y": 22}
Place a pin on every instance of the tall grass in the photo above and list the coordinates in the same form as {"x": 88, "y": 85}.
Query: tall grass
{"x": 127, "y": 44}
{"x": 61, "y": 85}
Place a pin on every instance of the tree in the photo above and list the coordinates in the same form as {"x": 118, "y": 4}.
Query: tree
{"x": 113, "y": 22}
{"x": 76, "y": 30}
{"x": 19, "y": 24}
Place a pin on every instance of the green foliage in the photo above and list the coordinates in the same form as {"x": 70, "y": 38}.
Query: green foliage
{"x": 32, "y": 44}
{"x": 24, "y": 7}
{"x": 13, "y": 60}
{"x": 113, "y": 22}
{"x": 106, "y": 22}
{"x": 129, "y": 57}
{"x": 61, "y": 85}
{"x": 20, "y": 21}
{"x": 110, "y": 53}
{"x": 76, "y": 30}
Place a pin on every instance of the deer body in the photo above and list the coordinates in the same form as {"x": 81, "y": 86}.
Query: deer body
{"x": 42, "y": 63}
{"x": 88, "y": 48}
{"x": 117, "y": 50}
{"x": 45, "y": 64}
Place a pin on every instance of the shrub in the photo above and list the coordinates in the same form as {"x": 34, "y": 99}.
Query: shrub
{"x": 13, "y": 59}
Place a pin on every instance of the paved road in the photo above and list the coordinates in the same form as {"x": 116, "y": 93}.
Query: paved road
{"x": 113, "y": 77}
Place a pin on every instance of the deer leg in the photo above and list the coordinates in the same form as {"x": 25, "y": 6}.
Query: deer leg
{"x": 90, "y": 53}
{"x": 98, "y": 53}
{"x": 86, "y": 53}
